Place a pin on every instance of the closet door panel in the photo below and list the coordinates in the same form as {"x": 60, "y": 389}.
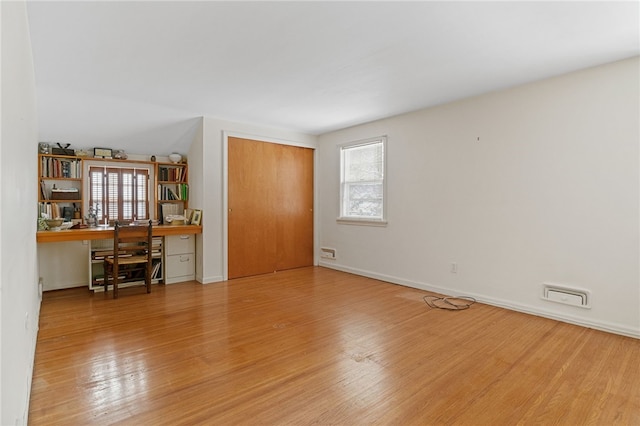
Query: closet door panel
{"x": 295, "y": 200}
{"x": 252, "y": 207}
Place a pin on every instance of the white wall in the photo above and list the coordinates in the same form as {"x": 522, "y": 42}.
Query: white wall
{"x": 196, "y": 189}
{"x": 64, "y": 264}
{"x": 19, "y": 296}
{"x": 210, "y": 196}
{"x": 539, "y": 183}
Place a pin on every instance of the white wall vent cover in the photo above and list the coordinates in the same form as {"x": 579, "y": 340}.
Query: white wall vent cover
{"x": 327, "y": 253}
{"x": 566, "y": 295}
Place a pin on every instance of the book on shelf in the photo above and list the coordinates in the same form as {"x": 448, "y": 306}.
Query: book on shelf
{"x": 43, "y": 191}
{"x": 109, "y": 255}
{"x": 173, "y": 192}
{"x": 53, "y": 167}
{"x": 100, "y": 255}
{"x": 99, "y": 279}
{"x": 172, "y": 174}
{"x": 50, "y": 210}
{"x": 155, "y": 272}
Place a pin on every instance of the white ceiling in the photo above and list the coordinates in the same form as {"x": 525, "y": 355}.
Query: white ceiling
{"x": 136, "y": 75}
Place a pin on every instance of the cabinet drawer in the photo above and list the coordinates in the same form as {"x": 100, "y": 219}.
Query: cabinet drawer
{"x": 178, "y": 244}
{"x": 180, "y": 265}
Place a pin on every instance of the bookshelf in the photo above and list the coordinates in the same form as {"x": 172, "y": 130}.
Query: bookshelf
{"x": 172, "y": 188}
{"x": 60, "y": 186}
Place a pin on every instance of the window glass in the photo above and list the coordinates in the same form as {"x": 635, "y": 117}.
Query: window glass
{"x": 119, "y": 193}
{"x": 362, "y": 180}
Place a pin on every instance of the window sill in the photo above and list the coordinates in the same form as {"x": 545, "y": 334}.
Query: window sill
{"x": 359, "y": 221}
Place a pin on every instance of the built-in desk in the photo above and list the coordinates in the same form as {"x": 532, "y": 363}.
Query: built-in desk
{"x": 64, "y": 265}
{"x": 104, "y": 233}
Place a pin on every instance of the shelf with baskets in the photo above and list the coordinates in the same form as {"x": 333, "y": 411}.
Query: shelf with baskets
{"x": 60, "y": 186}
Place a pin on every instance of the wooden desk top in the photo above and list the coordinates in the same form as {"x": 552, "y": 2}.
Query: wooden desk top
{"x": 105, "y": 233}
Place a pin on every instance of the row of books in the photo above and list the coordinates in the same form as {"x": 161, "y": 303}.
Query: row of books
{"x": 172, "y": 174}
{"x": 156, "y": 252}
{"x": 99, "y": 279}
{"x": 155, "y": 274}
{"x": 52, "y": 167}
{"x": 50, "y": 210}
{"x": 179, "y": 191}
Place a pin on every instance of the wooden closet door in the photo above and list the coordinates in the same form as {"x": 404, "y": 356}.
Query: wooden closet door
{"x": 294, "y": 221}
{"x": 270, "y": 220}
{"x": 252, "y": 205}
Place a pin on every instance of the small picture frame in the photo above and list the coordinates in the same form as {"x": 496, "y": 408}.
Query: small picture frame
{"x": 196, "y": 218}
{"x": 188, "y": 214}
{"x": 103, "y": 152}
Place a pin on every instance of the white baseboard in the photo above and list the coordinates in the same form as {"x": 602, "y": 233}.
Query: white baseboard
{"x": 209, "y": 280}
{"x": 32, "y": 359}
{"x": 501, "y": 303}
{"x": 62, "y": 286}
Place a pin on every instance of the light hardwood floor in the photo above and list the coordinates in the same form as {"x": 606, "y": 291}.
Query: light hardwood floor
{"x": 317, "y": 346}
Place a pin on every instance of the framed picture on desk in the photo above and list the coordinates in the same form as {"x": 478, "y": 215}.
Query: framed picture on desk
{"x": 196, "y": 218}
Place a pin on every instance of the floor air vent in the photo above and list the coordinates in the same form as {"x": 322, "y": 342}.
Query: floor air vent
{"x": 566, "y": 295}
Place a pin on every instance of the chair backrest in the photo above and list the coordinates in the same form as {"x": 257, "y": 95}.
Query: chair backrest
{"x": 131, "y": 240}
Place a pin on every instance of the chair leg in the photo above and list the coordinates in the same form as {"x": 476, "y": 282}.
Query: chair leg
{"x": 147, "y": 279}
{"x": 116, "y": 272}
{"x": 107, "y": 272}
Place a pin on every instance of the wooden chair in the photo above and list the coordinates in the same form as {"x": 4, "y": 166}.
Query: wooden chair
{"x": 131, "y": 259}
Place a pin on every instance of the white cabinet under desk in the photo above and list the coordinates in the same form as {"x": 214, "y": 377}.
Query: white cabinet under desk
{"x": 179, "y": 258}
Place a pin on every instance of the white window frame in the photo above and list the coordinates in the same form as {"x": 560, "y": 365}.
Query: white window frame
{"x": 363, "y": 220}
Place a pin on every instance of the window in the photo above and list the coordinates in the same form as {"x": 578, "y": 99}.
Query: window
{"x": 362, "y": 181}
{"x": 119, "y": 193}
